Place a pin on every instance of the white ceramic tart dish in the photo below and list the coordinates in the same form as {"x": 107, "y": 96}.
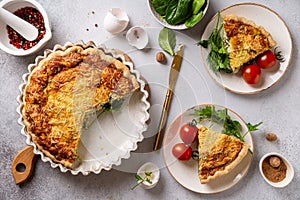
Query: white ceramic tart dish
{"x": 273, "y": 24}
{"x": 105, "y": 137}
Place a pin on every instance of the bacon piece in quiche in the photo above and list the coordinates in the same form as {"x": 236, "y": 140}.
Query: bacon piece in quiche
{"x": 65, "y": 91}
{"x": 246, "y": 40}
{"x": 219, "y": 154}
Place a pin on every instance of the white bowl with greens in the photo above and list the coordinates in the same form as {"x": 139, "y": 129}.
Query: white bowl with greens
{"x": 178, "y": 14}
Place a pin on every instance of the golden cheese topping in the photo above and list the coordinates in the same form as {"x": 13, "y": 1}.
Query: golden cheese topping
{"x": 62, "y": 89}
{"x": 216, "y": 152}
{"x": 246, "y": 40}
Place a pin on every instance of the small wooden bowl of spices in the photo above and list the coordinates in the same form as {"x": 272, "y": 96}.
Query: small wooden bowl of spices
{"x": 276, "y": 169}
{"x": 32, "y": 12}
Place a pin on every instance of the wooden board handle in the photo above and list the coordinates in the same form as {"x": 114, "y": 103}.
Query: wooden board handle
{"x": 23, "y": 164}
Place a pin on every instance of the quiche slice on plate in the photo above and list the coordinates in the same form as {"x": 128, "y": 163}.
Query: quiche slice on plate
{"x": 219, "y": 154}
{"x": 64, "y": 94}
{"x": 246, "y": 40}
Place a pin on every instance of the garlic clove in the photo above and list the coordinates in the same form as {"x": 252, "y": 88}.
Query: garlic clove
{"x": 137, "y": 37}
{"x": 115, "y": 21}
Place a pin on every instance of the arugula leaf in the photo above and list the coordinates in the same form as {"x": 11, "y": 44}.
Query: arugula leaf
{"x": 167, "y": 40}
{"x": 230, "y": 127}
{"x": 233, "y": 127}
{"x": 253, "y": 127}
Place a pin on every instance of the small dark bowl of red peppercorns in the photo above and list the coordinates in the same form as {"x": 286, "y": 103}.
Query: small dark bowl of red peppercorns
{"x": 31, "y": 11}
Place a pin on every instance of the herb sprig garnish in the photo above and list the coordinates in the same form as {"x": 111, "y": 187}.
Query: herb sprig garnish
{"x": 140, "y": 180}
{"x": 218, "y": 58}
{"x": 230, "y": 127}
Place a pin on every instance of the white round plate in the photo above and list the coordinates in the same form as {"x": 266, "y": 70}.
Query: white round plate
{"x": 112, "y": 136}
{"x": 186, "y": 172}
{"x": 273, "y": 23}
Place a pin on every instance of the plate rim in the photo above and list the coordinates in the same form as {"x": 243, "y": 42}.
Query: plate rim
{"x": 202, "y": 105}
{"x": 207, "y": 68}
{"x": 144, "y": 99}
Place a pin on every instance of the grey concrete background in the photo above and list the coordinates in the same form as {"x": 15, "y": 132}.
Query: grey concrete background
{"x": 278, "y": 107}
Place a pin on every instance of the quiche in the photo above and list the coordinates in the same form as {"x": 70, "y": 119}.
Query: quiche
{"x": 66, "y": 91}
{"x": 219, "y": 154}
{"x": 245, "y": 40}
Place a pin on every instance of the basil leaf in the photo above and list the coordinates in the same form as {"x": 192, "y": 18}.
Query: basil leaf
{"x": 167, "y": 40}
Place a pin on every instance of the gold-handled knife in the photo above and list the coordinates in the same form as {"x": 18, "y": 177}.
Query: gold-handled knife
{"x": 175, "y": 67}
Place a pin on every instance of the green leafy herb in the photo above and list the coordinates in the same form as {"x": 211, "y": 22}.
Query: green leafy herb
{"x": 203, "y": 43}
{"x": 178, "y": 11}
{"x": 160, "y": 6}
{"x": 194, "y": 19}
{"x": 253, "y": 127}
{"x": 197, "y": 5}
{"x": 106, "y": 107}
{"x": 230, "y": 127}
{"x": 218, "y": 58}
{"x": 140, "y": 180}
{"x": 167, "y": 40}
{"x": 278, "y": 55}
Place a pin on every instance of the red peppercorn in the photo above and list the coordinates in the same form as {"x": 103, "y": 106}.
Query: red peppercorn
{"x": 34, "y": 17}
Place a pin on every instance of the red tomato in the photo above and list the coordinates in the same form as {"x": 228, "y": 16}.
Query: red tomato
{"x": 251, "y": 74}
{"x": 182, "y": 151}
{"x": 266, "y": 60}
{"x": 188, "y": 133}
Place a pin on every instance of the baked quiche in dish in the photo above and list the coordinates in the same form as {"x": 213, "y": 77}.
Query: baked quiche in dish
{"x": 219, "y": 154}
{"x": 246, "y": 40}
{"x": 65, "y": 93}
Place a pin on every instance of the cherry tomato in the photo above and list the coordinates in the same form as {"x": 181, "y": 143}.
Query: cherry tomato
{"x": 251, "y": 74}
{"x": 188, "y": 133}
{"x": 266, "y": 60}
{"x": 182, "y": 151}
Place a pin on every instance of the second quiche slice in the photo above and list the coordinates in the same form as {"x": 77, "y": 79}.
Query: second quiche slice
{"x": 219, "y": 154}
{"x": 246, "y": 40}
{"x": 65, "y": 91}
